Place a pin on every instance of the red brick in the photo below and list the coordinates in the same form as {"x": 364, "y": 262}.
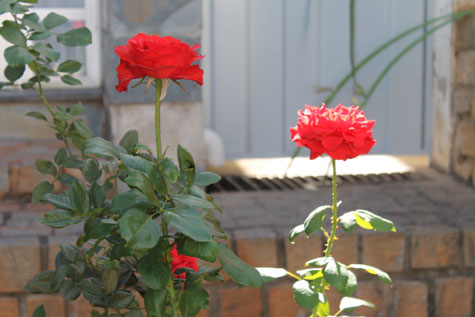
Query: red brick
{"x": 435, "y": 249}
{"x": 241, "y": 302}
{"x": 384, "y": 251}
{"x": 334, "y": 298}
{"x": 345, "y": 249}
{"x": 19, "y": 262}
{"x": 469, "y": 247}
{"x": 81, "y": 307}
{"x": 54, "y": 304}
{"x": 257, "y": 247}
{"x": 54, "y": 246}
{"x": 23, "y": 179}
{"x": 302, "y": 250}
{"x": 282, "y": 303}
{"x": 374, "y": 292}
{"x": 454, "y": 297}
{"x": 9, "y": 307}
{"x": 411, "y": 299}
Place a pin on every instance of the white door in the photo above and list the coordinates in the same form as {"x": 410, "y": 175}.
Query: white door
{"x": 268, "y": 58}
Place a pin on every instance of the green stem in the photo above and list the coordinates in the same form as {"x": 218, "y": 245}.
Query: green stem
{"x": 40, "y": 91}
{"x": 404, "y": 52}
{"x": 328, "y": 251}
{"x": 158, "y": 91}
{"x": 170, "y": 287}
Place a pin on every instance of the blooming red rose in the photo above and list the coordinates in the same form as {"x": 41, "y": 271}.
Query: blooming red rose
{"x": 157, "y": 57}
{"x": 342, "y": 133}
{"x": 182, "y": 261}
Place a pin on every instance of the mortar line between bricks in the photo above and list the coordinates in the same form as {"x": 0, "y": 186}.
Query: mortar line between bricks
{"x": 22, "y": 311}
{"x": 359, "y": 254}
{"x": 473, "y": 300}
{"x": 406, "y": 265}
{"x": 462, "y": 249}
{"x": 44, "y": 248}
{"x": 280, "y": 250}
{"x": 264, "y": 301}
{"x": 431, "y": 297}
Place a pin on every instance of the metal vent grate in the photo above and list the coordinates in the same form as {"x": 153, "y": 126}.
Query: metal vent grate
{"x": 237, "y": 183}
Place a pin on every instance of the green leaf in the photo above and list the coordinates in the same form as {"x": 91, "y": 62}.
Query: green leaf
{"x": 315, "y": 219}
{"x": 169, "y": 169}
{"x": 214, "y": 225}
{"x": 82, "y": 129}
{"x": 70, "y": 252}
{"x": 139, "y": 230}
{"x": 58, "y": 201}
{"x": 131, "y": 199}
{"x": 39, "y": 311}
{"x": 58, "y": 219}
{"x": 13, "y": 73}
{"x": 383, "y": 276}
{"x": 155, "y": 302}
{"x": 368, "y": 220}
{"x": 60, "y": 156}
{"x": 91, "y": 170}
{"x": 53, "y": 20}
{"x": 207, "y": 251}
{"x": 206, "y": 178}
{"x": 336, "y": 274}
{"x": 191, "y": 301}
{"x": 73, "y": 163}
{"x": 17, "y": 56}
{"x": 96, "y": 192}
{"x": 79, "y": 198}
{"x": 76, "y": 37}
{"x": 137, "y": 163}
{"x": 69, "y": 290}
{"x": 100, "y": 147}
{"x": 70, "y": 80}
{"x": 186, "y": 163}
{"x": 5, "y": 5}
{"x": 121, "y": 299}
{"x": 295, "y": 232}
{"x": 351, "y": 303}
{"x": 40, "y": 190}
{"x": 154, "y": 272}
{"x": 323, "y": 309}
{"x": 36, "y": 115}
{"x": 237, "y": 269}
{"x": 141, "y": 182}
{"x": 350, "y": 287}
{"x": 130, "y": 138}
{"x": 188, "y": 221}
{"x": 133, "y": 313}
{"x": 348, "y": 222}
{"x": 76, "y": 109}
{"x": 97, "y": 228}
{"x": 45, "y": 167}
{"x": 317, "y": 262}
{"x": 47, "y": 51}
{"x": 110, "y": 279}
{"x": 269, "y": 274}
{"x": 11, "y": 33}
{"x": 193, "y": 201}
{"x": 38, "y": 36}
{"x": 42, "y": 283}
{"x": 304, "y": 295}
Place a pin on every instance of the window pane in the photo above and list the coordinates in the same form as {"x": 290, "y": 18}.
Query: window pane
{"x": 60, "y": 4}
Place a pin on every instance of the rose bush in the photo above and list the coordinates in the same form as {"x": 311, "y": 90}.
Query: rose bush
{"x": 342, "y": 133}
{"x": 181, "y": 261}
{"x": 157, "y": 57}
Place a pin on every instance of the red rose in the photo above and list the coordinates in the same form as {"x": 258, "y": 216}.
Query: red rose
{"x": 342, "y": 133}
{"x": 157, "y": 57}
{"x": 182, "y": 261}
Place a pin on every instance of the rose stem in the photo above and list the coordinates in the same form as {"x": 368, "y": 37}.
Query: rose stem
{"x": 328, "y": 251}
{"x": 170, "y": 286}
{"x": 158, "y": 90}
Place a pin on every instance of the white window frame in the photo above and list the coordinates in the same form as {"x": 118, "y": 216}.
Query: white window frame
{"x": 90, "y": 15}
